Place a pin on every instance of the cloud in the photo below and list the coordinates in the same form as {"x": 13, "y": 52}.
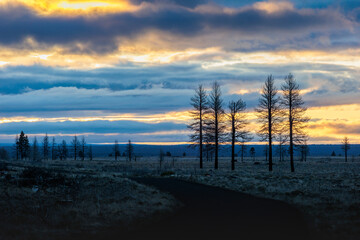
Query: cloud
{"x": 95, "y": 127}
{"x": 103, "y": 34}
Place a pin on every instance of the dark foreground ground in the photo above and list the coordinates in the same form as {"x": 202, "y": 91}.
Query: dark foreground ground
{"x": 215, "y": 213}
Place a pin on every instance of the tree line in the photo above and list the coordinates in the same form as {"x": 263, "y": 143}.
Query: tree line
{"x": 49, "y": 149}
{"x": 280, "y": 114}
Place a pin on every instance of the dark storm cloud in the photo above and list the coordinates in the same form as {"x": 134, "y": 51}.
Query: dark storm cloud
{"x": 100, "y": 33}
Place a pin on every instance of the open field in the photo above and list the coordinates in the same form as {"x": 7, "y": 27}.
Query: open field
{"x": 63, "y": 201}
{"x": 97, "y": 194}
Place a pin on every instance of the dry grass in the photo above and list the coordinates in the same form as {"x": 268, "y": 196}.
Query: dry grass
{"x": 62, "y": 200}
{"x": 97, "y": 194}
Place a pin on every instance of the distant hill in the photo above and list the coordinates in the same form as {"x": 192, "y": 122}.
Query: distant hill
{"x": 178, "y": 150}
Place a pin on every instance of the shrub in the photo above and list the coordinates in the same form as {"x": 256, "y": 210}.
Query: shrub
{"x": 167, "y": 173}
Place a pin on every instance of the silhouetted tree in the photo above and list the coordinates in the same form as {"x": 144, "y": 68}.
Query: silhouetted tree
{"x": 16, "y": 147}
{"x": 168, "y": 154}
{"x": 281, "y": 139}
{"x": 90, "y": 153}
{"x": 215, "y": 121}
{"x": 35, "y": 150}
{"x": 161, "y": 158}
{"x": 23, "y": 146}
{"x": 3, "y": 154}
{"x": 238, "y": 121}
{"x": 129, "y": 151}
{"x": 199, "y": 103}
{"x": 116, "y": 150}
{"x": 242, "y": 149}
{"x": 83, "y": 148}
{"x": 45, "y": 147}
{"x": 53, "y": 149}
{"x": 333, "y": 154}
{"x": 269, "y": 114}
{"x": 266, "y": 152}
{"x": 345, "y": 146}
{"x": 294, "y": 113}
{"x": 304, "y": 150}
{"x": 63, "y": 151}
{"x": 252, "y": 153}
{"x": 75, "y": 146}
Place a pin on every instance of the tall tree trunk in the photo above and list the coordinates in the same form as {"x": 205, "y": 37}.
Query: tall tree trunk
{"x": 201, "y": 139}
{"x": 270, "y": 140}
{"x": 291, "y": 136}
{"x": 216, "y": 141}
{"x": 345, "y": 154}
{"x": 233, "y": 144}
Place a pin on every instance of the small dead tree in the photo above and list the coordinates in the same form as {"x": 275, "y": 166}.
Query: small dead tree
{"x": 35, "y": 150}
{"x": 75, "y": 144}
{"x": 161, "y": 158}
{"x": 238, "y": 122}
{"x": 83, "y": 148}
{"x": 252, "y": 153}
{"x": 17, "y": 148}
{"x": 46, "y": 147}
{"x": 129, "y": 150}
{"x": 63, "y": 151}
{"x": 242, "y": 149}
{"x": 53, "y": 149}
{"x": 116, "y": 150}
{"x": 281, "y": 139}
{"x": 90, "y": 153}
{"x": 345, "y": 146}
{"x": 304, "y": 150}
{"x": 269, "y": 114}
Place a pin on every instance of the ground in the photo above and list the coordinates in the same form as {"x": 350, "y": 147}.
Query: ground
{"x": 326, "y": 190}
{"x": 61, "y": 200}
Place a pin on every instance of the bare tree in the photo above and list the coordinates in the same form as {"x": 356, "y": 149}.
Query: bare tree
{"x": 345, "y": 146}
{"x": 266, "y": 153}
{"x": 252, "y": 153}
{"x": 45, "y": 147}
{"x": 75, "y": 146}
{"x": 242, "y": 149}
{"x": 295, "y": 115}
{"x": 53, "y": 149}
{"x": 63, "y": 151}
{"x": 35, "y": 150}
{"x": 83, "y": 147}
{"x": 215, "y": 121}
{"x": 269, "y": 114}
{"x": 116, "y": 150}
{"x": 304, "y": 150}
{"x": 281, "y": 139}
{"x": 90, "y": 153}
{"x": 209, "y": 150}
{"x": 238, "y": 121}
{"x": 17, "y": 148}
{"x": 161, "y": 158}
{"x": 129, "y": 150}
{"x": 199, "y": 103}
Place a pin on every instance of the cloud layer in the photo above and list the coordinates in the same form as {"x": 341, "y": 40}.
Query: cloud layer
{"x": 78, "y": 59}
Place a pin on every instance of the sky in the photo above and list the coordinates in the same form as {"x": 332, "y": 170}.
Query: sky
{"x": 118, "y": 70}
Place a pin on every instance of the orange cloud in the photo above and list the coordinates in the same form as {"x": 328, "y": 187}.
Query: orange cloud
{"x": 75, "y": 7}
